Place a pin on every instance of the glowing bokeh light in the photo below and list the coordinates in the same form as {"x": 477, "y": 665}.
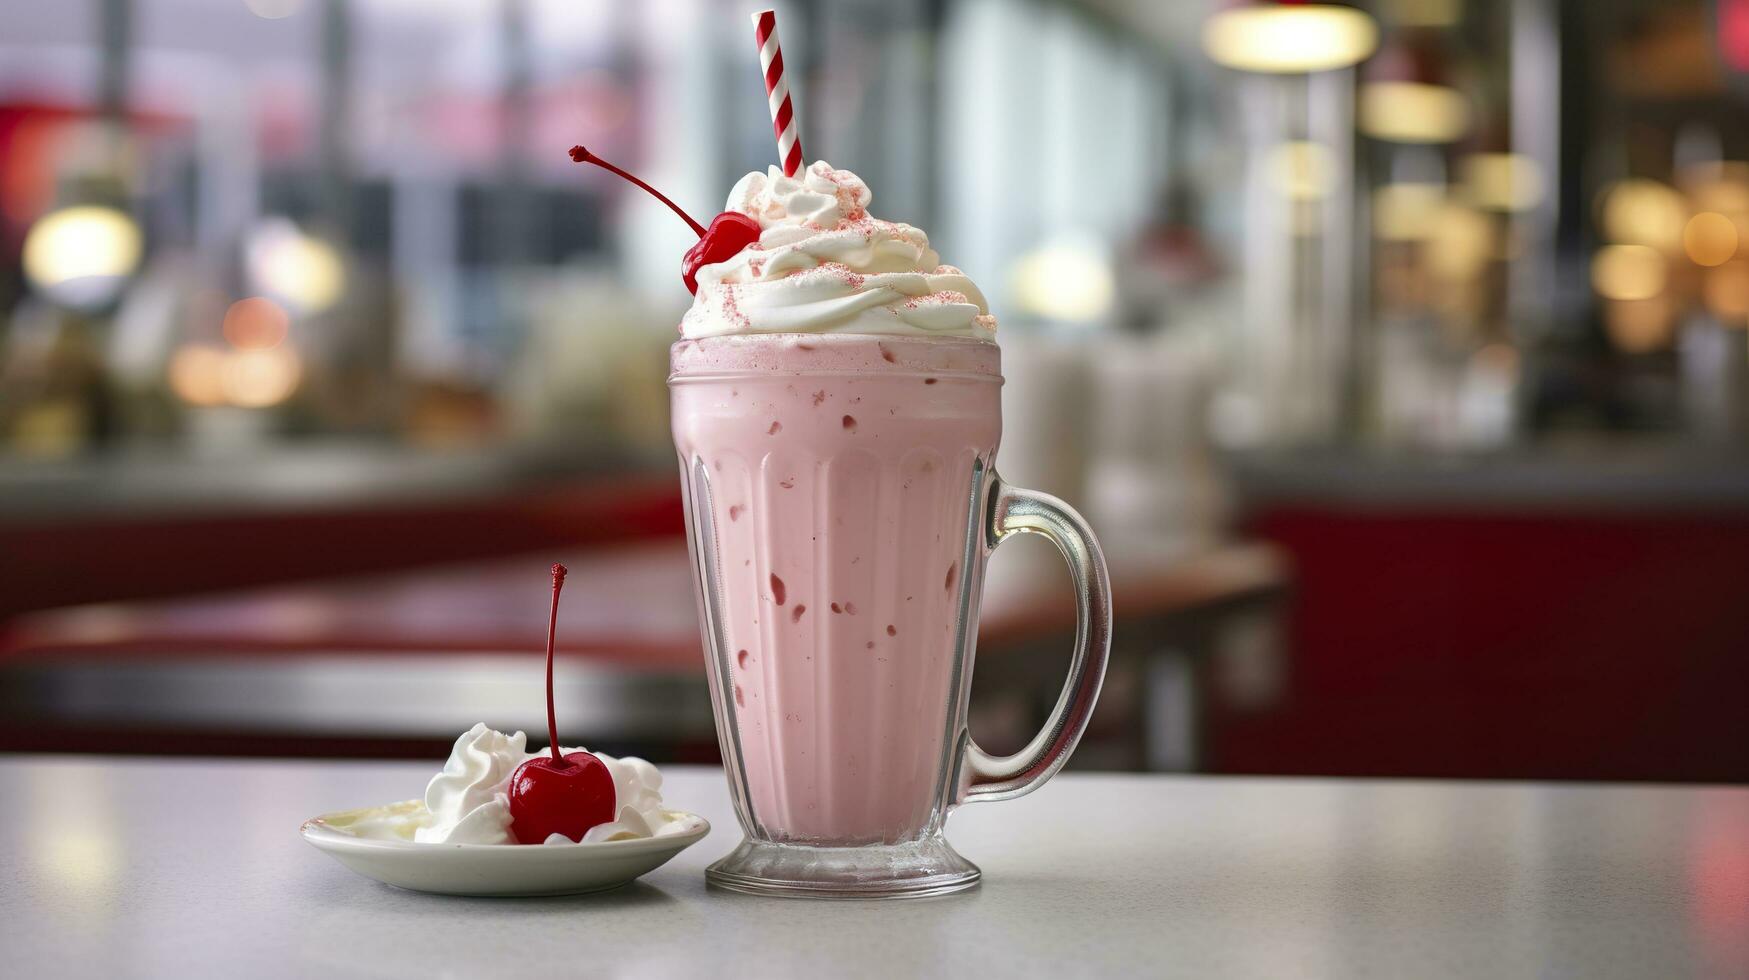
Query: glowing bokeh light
{"x": 1406, "y": 212}
{"x": 80, "y": 255}
{"x": 260, "y": 377}
{"x": 1289, "y": 38}
{"x": 196, "y": 375}
{"x": 1644, "y": 212}
{"x": 256, "y": 322}
{"x": 1413, "y": 112}
{"x": 1503, "y": 181}
{"x": 1460, "y": 244}
{"x": 1710, "y": 238}
{"x": 1068, "y": 282}
{"x": 1627, "y": 272}
{"x": 303, "y": 271}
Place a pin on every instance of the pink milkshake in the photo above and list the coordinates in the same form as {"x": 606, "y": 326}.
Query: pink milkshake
{"x": 836, "y": 400}
{"x": 835, "y": 479}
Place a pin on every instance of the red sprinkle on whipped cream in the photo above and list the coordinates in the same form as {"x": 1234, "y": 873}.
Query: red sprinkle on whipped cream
{"x": 824, "y": 264}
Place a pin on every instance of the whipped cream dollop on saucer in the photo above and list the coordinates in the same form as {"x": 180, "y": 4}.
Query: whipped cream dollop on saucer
{"x": 823, "y": 264}
{"x": 469, "y": 802}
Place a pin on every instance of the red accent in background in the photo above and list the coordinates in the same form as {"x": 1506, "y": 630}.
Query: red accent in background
{"x": 1717, "y": 870}
{"x": 32, "y": 137}
{"x": 55, "y": 564}
{"x": 1532, "y": 646}
{"x": 1734, "y": 33}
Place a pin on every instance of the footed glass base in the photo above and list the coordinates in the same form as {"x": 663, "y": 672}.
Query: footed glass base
{"x": 916, "y": 869}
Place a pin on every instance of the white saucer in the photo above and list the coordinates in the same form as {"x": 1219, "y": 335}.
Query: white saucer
{"x": 491, "y": 869}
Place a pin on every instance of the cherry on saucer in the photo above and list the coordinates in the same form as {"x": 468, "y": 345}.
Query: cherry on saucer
{"x": 561, "y": 794}
{"x": 564, "y": 795}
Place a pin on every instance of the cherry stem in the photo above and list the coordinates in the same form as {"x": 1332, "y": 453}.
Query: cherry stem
{"x": 552, "y": 627}
{"x": 582, "y": 155}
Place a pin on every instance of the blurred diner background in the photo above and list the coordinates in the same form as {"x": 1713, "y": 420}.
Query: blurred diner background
{"x": 1396, "y": 350}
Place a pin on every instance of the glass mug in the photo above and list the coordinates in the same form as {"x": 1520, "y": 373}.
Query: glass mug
{"x": 840, "y": 506}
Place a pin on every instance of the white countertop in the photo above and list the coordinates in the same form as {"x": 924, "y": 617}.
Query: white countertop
{"x": 173, "y": 868}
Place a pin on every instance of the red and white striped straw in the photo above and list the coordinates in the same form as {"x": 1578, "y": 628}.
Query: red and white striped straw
{"x": 783, "y": 114}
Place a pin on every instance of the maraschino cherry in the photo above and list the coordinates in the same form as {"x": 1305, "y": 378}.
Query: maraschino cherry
{"x": 729, "y": 233}
{"x": 563, "y": 794}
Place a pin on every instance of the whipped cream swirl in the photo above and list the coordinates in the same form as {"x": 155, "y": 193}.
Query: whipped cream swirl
{"x": 469, "y": 803}
{"x": 823, "y": 264}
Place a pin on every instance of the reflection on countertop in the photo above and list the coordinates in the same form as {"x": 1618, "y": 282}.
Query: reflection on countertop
{"x": 126, "y": 865}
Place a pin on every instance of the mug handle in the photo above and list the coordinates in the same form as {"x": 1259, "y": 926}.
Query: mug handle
{"x": 1015, "y": 510}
